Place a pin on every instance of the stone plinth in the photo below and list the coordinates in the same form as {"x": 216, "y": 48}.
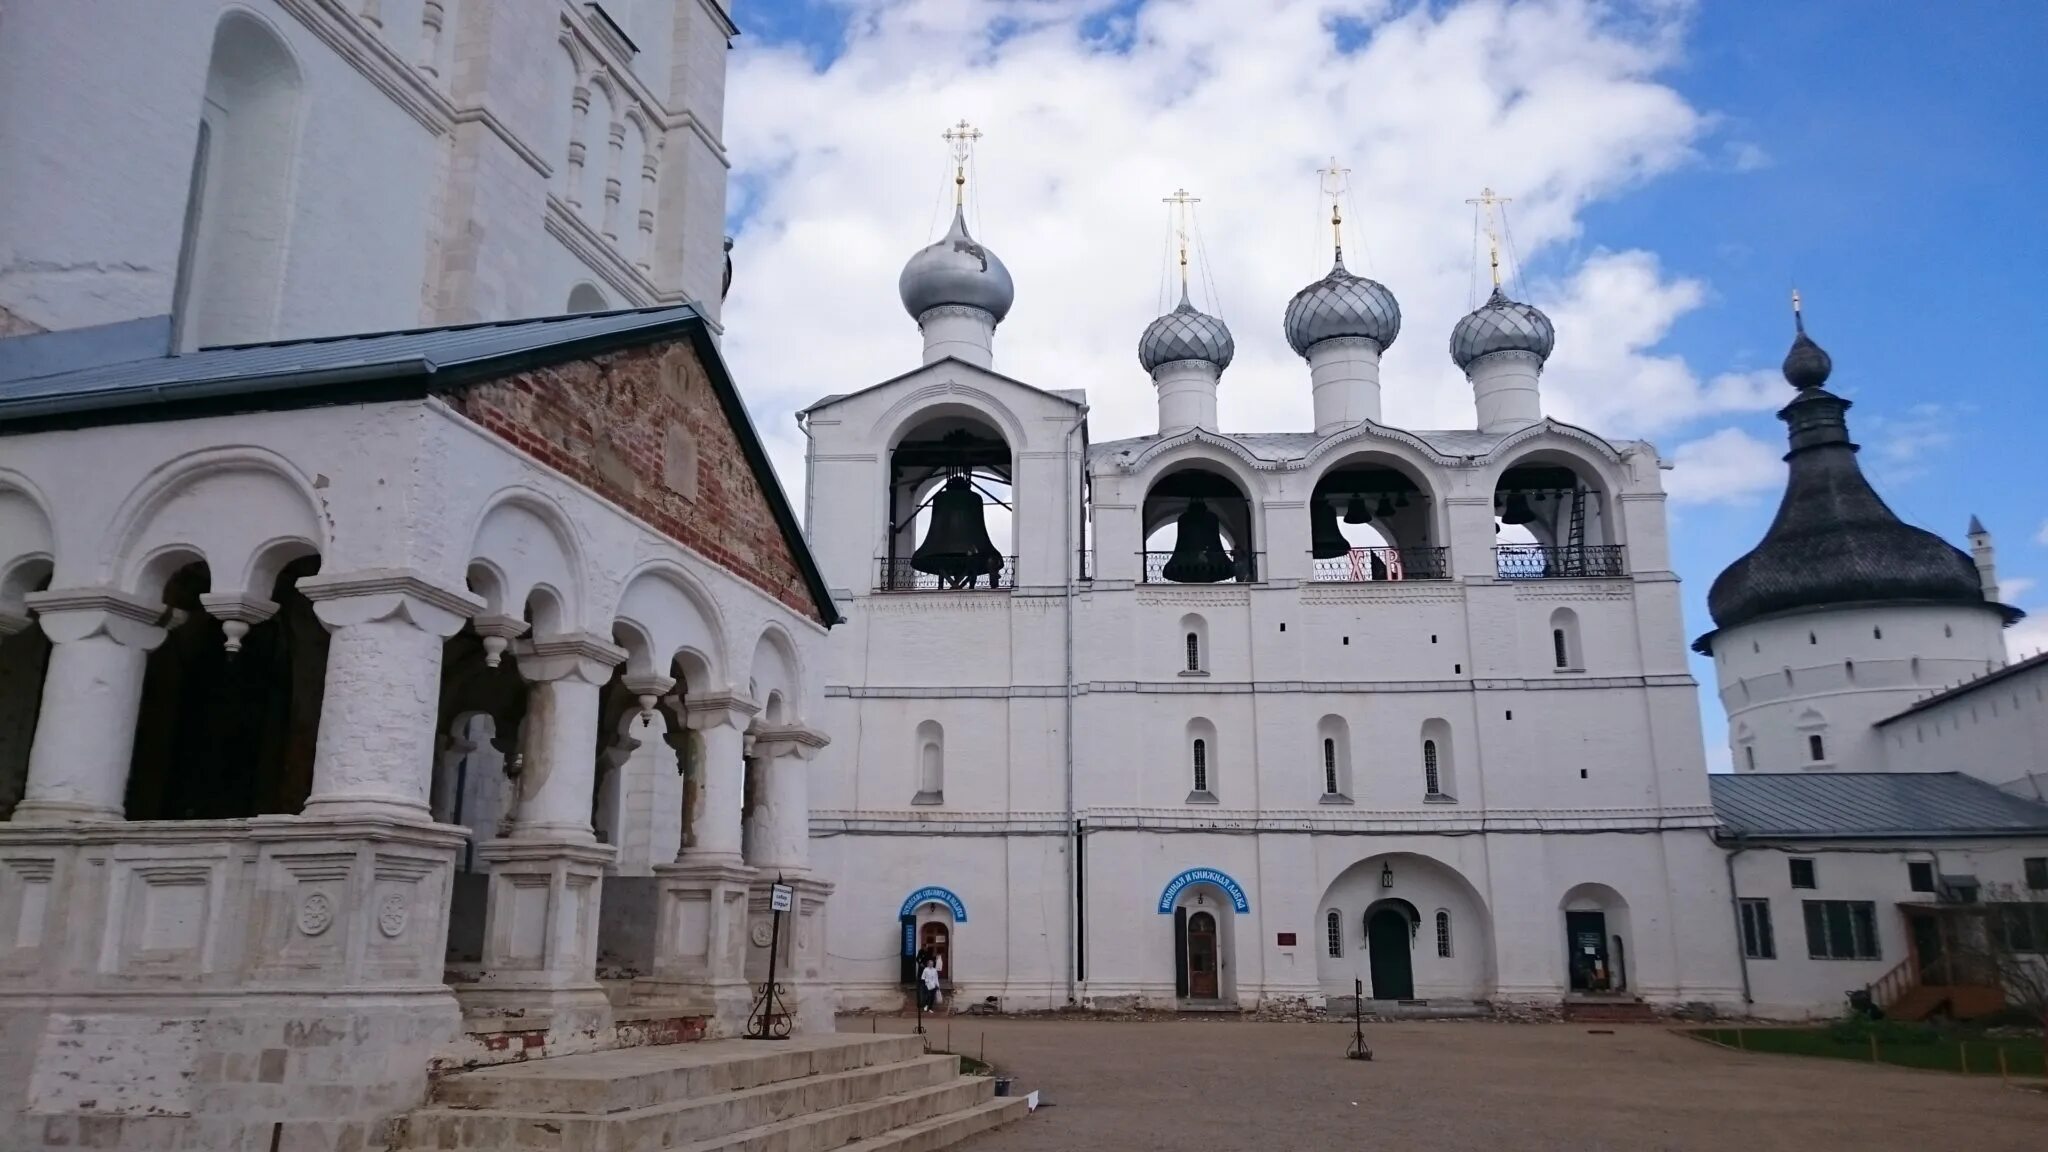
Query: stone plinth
{"x": 700, "y": 943}
{"x": 802, "y": 968}
{"x": 540, "y": 933}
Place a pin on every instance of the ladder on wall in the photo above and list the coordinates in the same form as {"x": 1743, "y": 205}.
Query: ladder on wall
{"x": 1575, "y": 536}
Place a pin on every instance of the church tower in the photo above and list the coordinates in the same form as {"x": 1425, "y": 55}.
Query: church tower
{"x": 1186, "y": 350}
{"x": 1342, "y": 325}
{"x": 1843, "y": 614}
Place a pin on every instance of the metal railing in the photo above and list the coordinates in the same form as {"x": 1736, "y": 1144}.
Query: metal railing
{"x": 1543, "y": 562}
{"x": 1244, "y": 565}
{"x": 897, "y": 575}
{"x": 1363, "y": 565}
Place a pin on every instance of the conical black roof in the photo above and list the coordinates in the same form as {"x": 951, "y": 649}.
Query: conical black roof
{"x": 1835, "y": 541}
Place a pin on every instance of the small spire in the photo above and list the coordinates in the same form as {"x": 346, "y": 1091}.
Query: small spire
{"x": 1976, "y": 526}
{"x": 960, "y": 139}
{"x": 1485, "y": 202}
{"x": 1336, "y": 184}
{"x": 1807, "y": 365}
{"x": 1183, "y": 210}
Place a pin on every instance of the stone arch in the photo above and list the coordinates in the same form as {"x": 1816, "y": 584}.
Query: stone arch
{"x": 28, "y": 542}
{"x": 1199, "y": 760}
{"x": 1181, "y": 489}
{"x": 1194, "y": 643}
{"x": 238, "y": 218}
{"x": 776, "y": 670}
{"x": 1333, "y": 757}
{"x": 1394, "y": 484}
{"x": 527, "y": 543}
{"x": 681, "y": 624}
{"x": 1439, "y": 761}
{"x": 952, "y": 438}
{"x": 948, "y": 398}
{"x": 244, "y": 510}
{"x": 1539, "y": 464}
{"x": 586, "y": 297}
{"x": 930, "y": 747}
{"x": 1606, "y": 967}
{"x": 1567, "y": 653}
{"x": 1409, "y": 882}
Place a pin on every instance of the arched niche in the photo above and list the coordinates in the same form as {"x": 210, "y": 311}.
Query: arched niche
{"x": 1333, "y": 758}
{"x": 679, "y": 627}
{"x": 1372, "y": 516}
{"x": 928, "y": 747}
{"x": 524, "y": 557}
{"x": 586, "y": 297}
{"x": 1186, "y": 497}
{"x": 238, "y": 211}
{"x": 1410, "y": 887}
{"x": 247, "y": 513}
{"x": 776, "y": 676}
{"x": 951, "y": 469}
{"x": 1555, "y": 517}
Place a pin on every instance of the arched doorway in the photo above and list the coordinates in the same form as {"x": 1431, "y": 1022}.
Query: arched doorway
{"x": 1389, "y": 942}
{"x": 1596, "y": 933}
{"x": 1202, "y": 957}
{"x": 936, "y": 937}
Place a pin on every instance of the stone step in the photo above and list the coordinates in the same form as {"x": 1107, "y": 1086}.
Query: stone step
{"x": 674, "y": 1123}
{"x": 599, "y": 1083}
{"x": 945, "y": 1131}
{"x": 1609, "y": 1012}
{"x": 834, "y": 1128}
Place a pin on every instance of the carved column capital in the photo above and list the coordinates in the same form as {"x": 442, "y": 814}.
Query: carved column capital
{"x": 72, "y": 614}
{"x": 718, "y": 710}
{"x": 582, "y": 656}
{"x": 345, "y": 599}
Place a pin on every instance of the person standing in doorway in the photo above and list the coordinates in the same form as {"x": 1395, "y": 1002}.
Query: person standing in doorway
{"x": 928, "y": 981}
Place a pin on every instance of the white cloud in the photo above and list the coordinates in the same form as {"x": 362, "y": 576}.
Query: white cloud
{"x": 1729, "y": 466}
{"x": 2014, "y": 589}
{"x": 2041, "y": 537}
{"x": 1557, "y": 102}
{"x": 1744, "y": 156}
{"x": 1900, "y": 446}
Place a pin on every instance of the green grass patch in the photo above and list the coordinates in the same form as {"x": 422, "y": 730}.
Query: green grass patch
{"x": 1889, "y": 1042}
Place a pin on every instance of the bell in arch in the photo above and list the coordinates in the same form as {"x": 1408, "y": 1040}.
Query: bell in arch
{"x": 1517, "y": 510}
{"x": 1326, "y": 540}
{"x": 956, "y": 547}
{"x": 1198, "y": 553}
{"x": 1354, "y": 512}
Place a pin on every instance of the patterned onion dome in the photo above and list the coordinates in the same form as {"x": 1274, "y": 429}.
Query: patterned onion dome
{"x": 1501, "y": 325}
{"x": 1186, "y": 334}
{"x": 1341, "y": 304}
{"x": 957, "y": 270}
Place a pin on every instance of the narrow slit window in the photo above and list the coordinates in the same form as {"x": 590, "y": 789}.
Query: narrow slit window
{"x": 1432, "y": 783}
{"x": 1333, "y": 930}
{"x": 1816, "y": 747}
{"x": 1557, "y": 647}
{"x": 1443, "y": 933}
{"x": 1329, "y": 767}
{"x": 1194, "y": 652}
{"x": 1201, "y": 765}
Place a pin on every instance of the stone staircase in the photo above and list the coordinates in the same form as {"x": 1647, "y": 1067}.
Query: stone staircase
{"x": 1614, "y": 1009}
{"x": 826, "y": 1093}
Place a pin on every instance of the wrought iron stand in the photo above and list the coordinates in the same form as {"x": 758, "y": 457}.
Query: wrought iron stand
{"x": 1358, "y": 1050}
{"x": 769, "y": 1017}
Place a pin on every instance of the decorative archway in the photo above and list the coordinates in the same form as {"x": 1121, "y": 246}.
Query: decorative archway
{"x": 933, "y": 894}
{"x": 1407, "y": 886}
{"x": 1213, "y": 877}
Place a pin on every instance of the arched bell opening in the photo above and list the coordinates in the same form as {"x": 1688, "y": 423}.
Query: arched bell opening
{"x": 951, "y": 508}
{"x": 1551, "y": 519}
{"x": 230, "y": 708}
{"x": 1371, "y": 521}
{"x": 24, "y": 665}
{"x": 1198, "y": 530}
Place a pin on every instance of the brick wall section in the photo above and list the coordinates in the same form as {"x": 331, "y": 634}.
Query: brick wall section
{"x": 604, "y": 422}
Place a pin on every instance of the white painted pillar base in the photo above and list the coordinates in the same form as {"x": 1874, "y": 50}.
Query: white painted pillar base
{"x": 700, "y": 943}
{"x": 540, "y": 931}
{"x": 92, "y": 691}
{"x": 803, "y": 971}
{"x": 376, "y": 749}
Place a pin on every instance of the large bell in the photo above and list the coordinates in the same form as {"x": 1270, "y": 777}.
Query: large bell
{"x": 1198, "y": 553}
{"x": 1326, "y": 540}
{"x": 956, "y": 546}
{"x": 1518, "y": 510}
{"x": 1354, "y": 512}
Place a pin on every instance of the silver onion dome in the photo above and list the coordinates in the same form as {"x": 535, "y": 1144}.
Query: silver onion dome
{"x": 1341, "y": 304}
{"x": 957, "y": 270}
{"x": 1186, "y": 334}
{"x": 1501, "y": 325}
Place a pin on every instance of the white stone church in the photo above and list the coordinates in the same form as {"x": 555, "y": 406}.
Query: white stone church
{"x": 411, "y": 670}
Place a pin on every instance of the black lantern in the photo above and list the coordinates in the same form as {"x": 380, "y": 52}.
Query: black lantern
{"x": 1386, "y": 875}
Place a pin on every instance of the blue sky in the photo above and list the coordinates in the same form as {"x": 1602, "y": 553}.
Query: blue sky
{"x": 1887, "y": 159}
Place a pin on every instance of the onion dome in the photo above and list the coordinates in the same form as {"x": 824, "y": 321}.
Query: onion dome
{"x": 957, "y": 270}
{"x": 1835, "y": 542}
{"x": 1186, "y": 334}
{"x": 1501, "y": 325}
{"x": 1341, "y": 304}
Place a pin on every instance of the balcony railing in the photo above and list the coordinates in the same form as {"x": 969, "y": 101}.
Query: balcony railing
{"x": 1363, "y": 565}
{"x": 1540, "y": 562}
{"x": 898, "y": 576}
{"x": 1244, "y": 567}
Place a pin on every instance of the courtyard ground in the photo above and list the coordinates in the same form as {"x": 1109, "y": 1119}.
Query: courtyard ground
{"x": 1197, "y": 1085}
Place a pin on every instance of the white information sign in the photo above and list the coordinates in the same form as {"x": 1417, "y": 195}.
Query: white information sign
{"x": 779, "y": 897}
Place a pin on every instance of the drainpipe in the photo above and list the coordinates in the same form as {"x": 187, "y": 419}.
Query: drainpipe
{"x": 803, "y": 425}
{"x": 1735, "y": 906}
{"x": 1072, "y": 557}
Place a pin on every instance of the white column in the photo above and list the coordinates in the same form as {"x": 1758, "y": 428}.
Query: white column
{"x": 1344, "y": 374}
{"x": 714, "y": 835}
{"x": 1504, "y": 389}
{"x": 959, "y": 331}
{"x": 85, "y": 730}
{"x": 1187, "y": 395}
{"x": 375, "y": 752}
{"x": 572, "y": 179}
{"x": 615, "y": 151}
{"x": 650, "y": 191}
{"x": 559, "y": 751}
{"x": 785, "y": 842}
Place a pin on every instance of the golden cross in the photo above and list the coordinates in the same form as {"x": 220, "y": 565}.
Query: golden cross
{"x": 960, "y": 140}
{"x": 1183, "y": 206}
{"x": 1486, "y": 202}
{"x": 1336, "y": 183}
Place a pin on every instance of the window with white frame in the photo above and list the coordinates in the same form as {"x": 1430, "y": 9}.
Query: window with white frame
{"x": 1443, "y": 933}
{"x": 1841, "y": 929}
{"x": 1333, "y": 931}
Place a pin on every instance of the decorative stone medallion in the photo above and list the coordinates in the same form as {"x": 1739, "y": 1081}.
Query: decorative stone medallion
{"x": 762, "y": 934}
{"x": 392, "y": 914}
{"x": 316, "y": 914}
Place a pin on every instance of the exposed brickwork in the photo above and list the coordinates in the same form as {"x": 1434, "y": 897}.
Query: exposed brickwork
{"x": 605, "y": 423}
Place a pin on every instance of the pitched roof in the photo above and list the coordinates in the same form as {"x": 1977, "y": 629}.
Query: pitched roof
{"x": 1869, "y": 805}
{"x": 81, "y": 383}
{"x": 2037, "y": 660}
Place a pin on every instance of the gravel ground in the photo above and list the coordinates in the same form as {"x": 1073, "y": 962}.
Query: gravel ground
{"x": 1230, "y": 1086}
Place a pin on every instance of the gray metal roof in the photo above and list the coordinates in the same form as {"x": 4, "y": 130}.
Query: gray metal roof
{"x": 1869, "y": 805}
{"x": 432, "y": 353}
